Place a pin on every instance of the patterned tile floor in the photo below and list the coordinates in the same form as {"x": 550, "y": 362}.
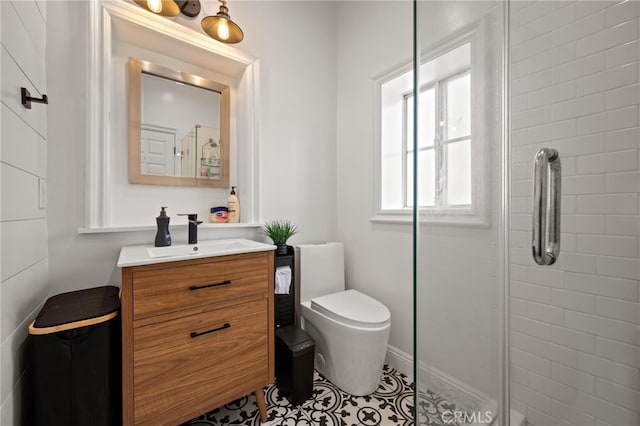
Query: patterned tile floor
{"x": 434, "y": 410}
{"x": 390, "y": 405}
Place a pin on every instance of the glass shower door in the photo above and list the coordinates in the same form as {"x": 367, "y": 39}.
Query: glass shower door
{"x": 556, "y": 81}
{"x": 458, "y": 228}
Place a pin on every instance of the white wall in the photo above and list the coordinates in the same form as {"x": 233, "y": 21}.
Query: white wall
{"x": 377, "y": 256}
{"x": 297, "y": 116}
{"x": 295, "y": 42}
{"x": 575, "y": 341}
{"x": 23, "y": 226}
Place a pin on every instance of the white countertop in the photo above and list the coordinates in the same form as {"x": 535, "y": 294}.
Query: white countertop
{"x": 148, "y": 254}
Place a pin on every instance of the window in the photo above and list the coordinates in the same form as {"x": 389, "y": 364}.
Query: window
{"x": 444, "y": 144}
{"x": 448, "y": 153}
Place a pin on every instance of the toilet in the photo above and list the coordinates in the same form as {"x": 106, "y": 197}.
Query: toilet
{"x": 350, "y": 329}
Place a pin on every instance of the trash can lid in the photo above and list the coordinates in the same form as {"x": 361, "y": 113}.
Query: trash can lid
{"x": 292, "y": 335}
{"x": 77, "y": 309}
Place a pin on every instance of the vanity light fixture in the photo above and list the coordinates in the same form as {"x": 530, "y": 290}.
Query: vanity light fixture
{"x": 221, "y": 27}
{"x": 171, "y": 8}
{"x": 160, "y": 7}
{"x": 190, "y": 8}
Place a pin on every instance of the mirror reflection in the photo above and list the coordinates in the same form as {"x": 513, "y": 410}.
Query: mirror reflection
{"x": 178, "y": 128}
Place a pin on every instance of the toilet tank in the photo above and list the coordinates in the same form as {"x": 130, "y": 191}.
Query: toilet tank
{"x": 320, "y": 269}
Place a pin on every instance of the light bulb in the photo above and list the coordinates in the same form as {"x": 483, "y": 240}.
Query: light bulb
{"x": 223, "y": 29}
{"x": 155, "y": 5}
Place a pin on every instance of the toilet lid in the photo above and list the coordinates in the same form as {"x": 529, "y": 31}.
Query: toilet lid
{"x": 353, "y": 307}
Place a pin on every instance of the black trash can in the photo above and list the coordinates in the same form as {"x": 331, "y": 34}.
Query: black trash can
{"x": 295, "y": 352}
{"x": 75, "y": 348}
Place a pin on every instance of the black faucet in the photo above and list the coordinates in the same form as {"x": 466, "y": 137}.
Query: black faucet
{"x": 193, "y": 226}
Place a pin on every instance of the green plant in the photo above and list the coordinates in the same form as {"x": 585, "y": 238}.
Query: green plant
{"x": 279, "y": 231}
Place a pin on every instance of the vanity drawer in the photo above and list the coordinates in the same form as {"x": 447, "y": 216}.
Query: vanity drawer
{"x": 178, "y": 373}
{"x": 164, "y": 290}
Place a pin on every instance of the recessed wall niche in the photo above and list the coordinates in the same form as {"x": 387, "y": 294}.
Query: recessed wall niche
{"x": 118, "y": 31}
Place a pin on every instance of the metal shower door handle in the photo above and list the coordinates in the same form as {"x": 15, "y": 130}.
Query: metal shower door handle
{"x": 546, "y": 207}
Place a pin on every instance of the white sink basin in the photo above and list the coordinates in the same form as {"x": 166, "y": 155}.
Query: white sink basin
{"x": 205, "y": 248}
{"x": 143, "y": 255}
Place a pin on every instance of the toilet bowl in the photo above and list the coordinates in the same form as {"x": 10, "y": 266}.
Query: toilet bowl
{"x": 350, "y": 329}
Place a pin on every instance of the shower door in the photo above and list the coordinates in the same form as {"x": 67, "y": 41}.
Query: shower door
{"x": 499, "y": 337}
{"x": 458, "y": 155}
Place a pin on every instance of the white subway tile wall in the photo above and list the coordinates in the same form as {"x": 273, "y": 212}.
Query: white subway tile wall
{"x": 575, "y": 326}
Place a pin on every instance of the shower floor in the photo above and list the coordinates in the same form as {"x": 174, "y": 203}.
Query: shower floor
{"x": 390, "y": 405}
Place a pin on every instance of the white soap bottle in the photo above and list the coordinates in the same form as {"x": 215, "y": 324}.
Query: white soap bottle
{"x": 233, "y": 204}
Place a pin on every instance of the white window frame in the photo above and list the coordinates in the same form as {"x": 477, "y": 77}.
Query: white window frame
{"x": 476, "y": 214}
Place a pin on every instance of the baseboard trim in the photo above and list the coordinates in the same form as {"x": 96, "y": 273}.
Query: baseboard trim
{"x": 401, "y": 361}
{"x": 438, "y": 381}
{"x": 464, "y": 396}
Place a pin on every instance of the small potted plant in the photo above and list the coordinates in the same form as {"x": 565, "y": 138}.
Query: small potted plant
{"x": 279, "y": 231}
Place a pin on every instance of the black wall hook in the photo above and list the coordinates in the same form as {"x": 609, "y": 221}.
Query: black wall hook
{"x": 27, "y": 99}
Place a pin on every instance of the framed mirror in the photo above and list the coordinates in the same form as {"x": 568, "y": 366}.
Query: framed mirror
{"x": 179, "y": 128}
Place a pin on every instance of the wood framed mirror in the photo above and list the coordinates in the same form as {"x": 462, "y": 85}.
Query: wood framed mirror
{"x": 179, "y": 128}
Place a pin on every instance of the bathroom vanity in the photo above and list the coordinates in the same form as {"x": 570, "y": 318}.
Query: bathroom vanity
{"x": 197, "y": 328}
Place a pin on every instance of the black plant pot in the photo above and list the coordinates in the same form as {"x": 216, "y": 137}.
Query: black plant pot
{"x": 282, "y": 249}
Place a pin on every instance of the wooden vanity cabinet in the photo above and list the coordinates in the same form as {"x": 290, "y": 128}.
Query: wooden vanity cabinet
{"x": 196, "y": 334}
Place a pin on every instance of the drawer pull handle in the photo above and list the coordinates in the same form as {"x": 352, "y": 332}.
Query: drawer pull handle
{"x": 199, "y": 287}
{"x": 226, "y": 325}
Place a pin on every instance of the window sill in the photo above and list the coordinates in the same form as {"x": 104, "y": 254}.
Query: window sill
{"x": 401, "y": 218}
{"x": 442, "y": 218}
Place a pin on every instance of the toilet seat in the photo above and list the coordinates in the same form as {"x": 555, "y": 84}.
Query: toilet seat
{"x": 353, "y": 308}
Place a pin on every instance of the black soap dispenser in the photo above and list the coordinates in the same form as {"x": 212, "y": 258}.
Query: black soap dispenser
{"x": 163, "y": 238}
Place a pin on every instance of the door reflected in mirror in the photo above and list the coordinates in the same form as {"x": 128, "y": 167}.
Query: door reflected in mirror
{"x": 178, "y": 128}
